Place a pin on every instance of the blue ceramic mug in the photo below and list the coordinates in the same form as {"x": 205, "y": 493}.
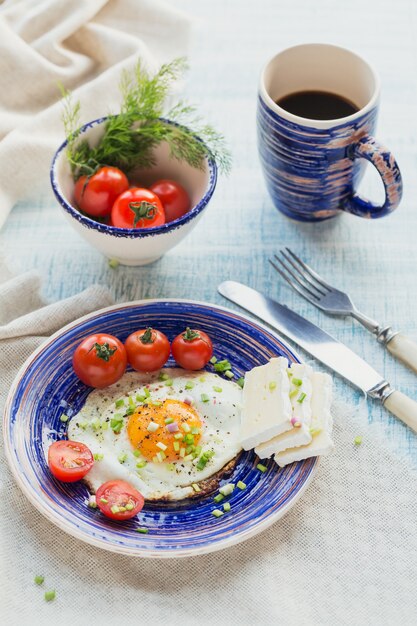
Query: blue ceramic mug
{"x": 312, "y": 166}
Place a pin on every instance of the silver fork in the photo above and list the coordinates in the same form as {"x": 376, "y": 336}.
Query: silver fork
{"x": 316, "y": 290}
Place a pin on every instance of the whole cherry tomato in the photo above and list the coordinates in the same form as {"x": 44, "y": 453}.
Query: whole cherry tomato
{"x": 192, "y": 349}
{"x": 96, "y": 194}
{"x": 147, "y": 349}
{"x": 100, "y": 360}
{"x": 118, "y": 500}
{"x": 137, "y": 208}
{"x": 69, "y": 460}
{"x": 174, "y": 198}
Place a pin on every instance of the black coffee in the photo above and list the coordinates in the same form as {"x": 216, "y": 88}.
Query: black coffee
{"x": 317, "y": 105}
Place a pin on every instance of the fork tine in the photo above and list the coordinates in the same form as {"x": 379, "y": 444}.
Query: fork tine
{"x": 312, "y": 298}
{"x": 306, "y": 278}
{"x": 317, "y": 294}
{"x": 309, "y": 270}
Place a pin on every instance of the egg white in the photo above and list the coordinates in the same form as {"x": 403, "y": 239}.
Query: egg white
{"x": 220, "y": 417}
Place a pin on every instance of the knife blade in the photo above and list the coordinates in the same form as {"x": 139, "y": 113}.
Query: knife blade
{"x": 323, "y": 347}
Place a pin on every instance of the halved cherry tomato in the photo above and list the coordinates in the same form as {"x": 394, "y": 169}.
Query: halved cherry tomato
{"x": 69, "y": 461}
{"x": 174, "y": 198}
{"x": 119, "y": 500}
{"x": 147, "y": 349}
{"x": 192, "y": 349}
{"x": 96, "y": 195}
{"x": 100, "y": 360}
{"x": 137, "y": 208}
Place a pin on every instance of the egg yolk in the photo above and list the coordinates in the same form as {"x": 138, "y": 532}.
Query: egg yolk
{"x": 156, "y": 429}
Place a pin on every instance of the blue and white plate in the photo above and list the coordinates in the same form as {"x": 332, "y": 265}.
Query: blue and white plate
{"x": 46, "y": 386}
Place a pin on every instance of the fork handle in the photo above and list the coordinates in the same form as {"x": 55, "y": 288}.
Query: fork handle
{"x": 403, "y": 407}
{"x": 404, "y": 349}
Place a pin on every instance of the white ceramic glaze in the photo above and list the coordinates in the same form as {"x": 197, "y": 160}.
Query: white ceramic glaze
{"x": 138, "y": 246}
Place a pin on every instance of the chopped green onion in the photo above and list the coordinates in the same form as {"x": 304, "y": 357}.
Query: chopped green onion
{"x": 64, "y": 418}
{"x": 104, "y": 425}
{"x": 95, "y": 424}
{"x": 113, "y": 263}
{"x": 358, "y": 440}
{"x": 229, "y": 374}
{"x": 241, "y": 485}
{"x": 293, "y": 393}
{"x": 203, "y": 460}
{"x": 169, "y": 420}
{"x": 289, "y": 373}
{"x": 161, "y": 446}
{"x": 226, "y": 490}
{"x": 213, "y": 360}
{"x": 241, "y": 381}
{"x": 178, "y": 436}
{"x": 116, "y": 424}
{"x": 141, "y": 464}
{"x": 315, "y": 430}
{"x": 202, "y": 379}
{"x": 226, "y": 507}
{"x": 197, "y": 450}
{"x": 92, "y": 504}
{"x": 222, "y": 366}
{"x": 104, "y": 501}
{"x": 195, "y": 431}
{"x": 272, "y": 385}
{"x": 156, "y": 403}
{"x": 122, "y": 509}
{"x": 122, "y": 457}
{"x": 136, "y": 453}
{"x": 146, "y": 392}
{"x": 217, "y": 513}
{"x": 50, "y": 595}
{"x": 204, "y": 397}
{"x": 170, "y": 467}
{"x": 189, "y": 438}
{"x": 131, "y": 402}
{"x": 120, "y": 403}
{"x": 82, "y": 425}
{"x": 155, "y": 459}
{"x": 129, "y": 506}
{"x": 176, "y": 446}
{"x": 189, "y": 385}
{"x": 189, "y": 449}
{"x": 188, "y": 457}
{"x": 182, "y": 453}
{"x": 98, "y": 456}
{"x": 143, "y": 531}
{"x": 261, "y": 467}
{"x": 301, "y": 398}
{"x": 152, "y": 427}
{"x": 218, "y": 498}
{"x": 39, "y": 580}
{"x": 196, "y": 487}
{"x": 169, "y": 382}
{"x": 115, "y": 509}
{"x": 163, "y": 376}
{"x": 140, "y": 398}
{"x": 218, "y": 389}
{"x": 185, "y": 427}
{"x": 161, "y": 456}
{"x": 297, "y": 382}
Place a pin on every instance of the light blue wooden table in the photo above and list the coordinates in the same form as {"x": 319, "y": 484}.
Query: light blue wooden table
{"x": 375, "y": 260}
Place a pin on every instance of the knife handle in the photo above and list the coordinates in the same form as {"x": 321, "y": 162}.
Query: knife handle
{"x": 404, "y": 349}
{"x": 403, "y": 407}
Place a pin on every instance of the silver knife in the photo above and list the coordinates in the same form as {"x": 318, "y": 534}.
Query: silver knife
{"x": 323, "y": 347}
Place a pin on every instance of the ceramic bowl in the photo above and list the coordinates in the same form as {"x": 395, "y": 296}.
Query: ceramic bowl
{"x": 138, "y": 246}
{"x": 46, "y": 387}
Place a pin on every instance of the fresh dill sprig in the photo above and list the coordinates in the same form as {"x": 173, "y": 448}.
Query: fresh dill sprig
{"x": 130, "y": 137}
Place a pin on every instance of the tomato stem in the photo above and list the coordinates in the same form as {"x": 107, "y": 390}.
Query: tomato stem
{"x": 190, "y": 335}
{"x": 142, "y": 210}
{"x": 147, "y": 336}
{"x": 103, "y": 351}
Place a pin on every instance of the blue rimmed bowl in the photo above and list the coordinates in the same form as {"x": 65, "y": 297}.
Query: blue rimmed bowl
{"x": 137, "y": 246}
{"x": 46, "y": 387}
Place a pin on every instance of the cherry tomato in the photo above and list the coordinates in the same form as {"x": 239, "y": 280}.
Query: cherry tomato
{"x": 100, "y": 360}
{"x": 147, "y": 350}
{"x": 119, "y": 500}
{"x": 69, "y": 460}
{"x": 192, "y": 349}
{"x": 137, "y": 208}
{"x": 174, "y": 198}
{"x": 96, "y": 195}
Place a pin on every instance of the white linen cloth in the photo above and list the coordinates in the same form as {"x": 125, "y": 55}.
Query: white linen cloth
{"x": 83, "y": 44}
{"x": 345, "y": 554}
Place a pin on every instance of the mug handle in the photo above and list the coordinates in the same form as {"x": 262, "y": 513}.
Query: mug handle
{"x": 368, "y": 148}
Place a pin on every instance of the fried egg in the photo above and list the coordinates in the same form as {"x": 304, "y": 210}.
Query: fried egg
{"x": 164, "y": 432}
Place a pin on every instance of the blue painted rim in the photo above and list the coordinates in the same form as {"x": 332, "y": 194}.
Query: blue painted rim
{"x": 126, "y": 232}
{"x": 46, "y": 387}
